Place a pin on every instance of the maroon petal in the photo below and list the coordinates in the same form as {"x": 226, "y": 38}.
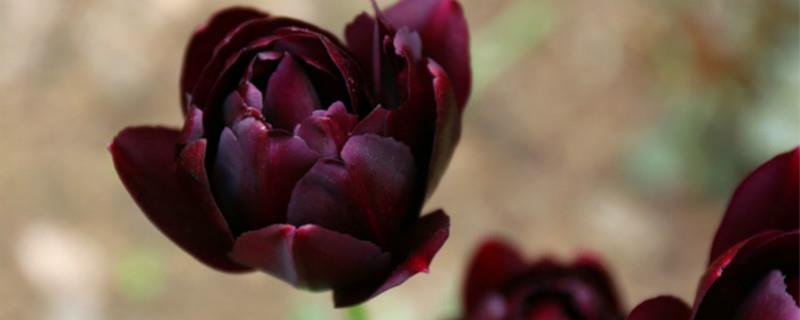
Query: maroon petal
{"x": 376, "y": 122}
{"x": 593, "y": 271}
{"x": 327, "y": 131}
{"x": 661, "y": 308}
{"x": 255, "y": 172}
{"x": 445, "y": 36}
{"x": 369, "y": 195}
{"x": 495, "y": 263}
{"x": 359, "y": 35}
{"x": 173, "y": 191}
{"x": 270, "y": 250}
{"x": 311, "y": 256}
{"x": 290, "y": 97}
{"x": 192, "y": 126}
{"x": 768, "y": 199}
{"x": 769, "y": 300}
{"x": 448, "y": 127}
{"x": 731, "y": 278}
{"x": 322, "y": 197}
{"x": 424, "y": 240}
{"x": 382, "y": 171}
{"x": 205, "y": 39}
{"x": 247, "y": 101}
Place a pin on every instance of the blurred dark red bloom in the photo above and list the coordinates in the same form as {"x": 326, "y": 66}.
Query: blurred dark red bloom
{"x": 753, "y": 273}
{"x": 306, "y": 158}
{"x": 501, "y": 285}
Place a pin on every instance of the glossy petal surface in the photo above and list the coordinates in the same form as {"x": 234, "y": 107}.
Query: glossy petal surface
{"x": 310, "y": 256}
{"x": 421, "y": 244}
{"x": 367, "y": 194}
{"x": 768, "y": 199}
{"x": 172, "y": 190}
{"x": 290, "y": 97}
{"x": 255, "y": 171}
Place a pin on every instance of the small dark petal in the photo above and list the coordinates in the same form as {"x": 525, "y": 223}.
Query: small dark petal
{"x": 290, "y": 97}
{"x": 173, "y": 192}
{"x": 192, "y": 126}
{"x": 359, "y": 38}
{"x": 661, "y": 308}
{"x": 256, "y": 170}
{"x": 382, "y": 173}
{"x": 322, "y": 197}
{"x": 376, "y": 122}
{"x": 366, "y": 195}
{"x": 447, "y": 129}
{"x": 205, "y": 39}
{"x": 445, "y": 37}
{"x": 262, "y": 65}
{"x": 424, "y": 241}
{"x": 326, "y": 131}
{"x": 270, "y": 250}
{"x": 769, "y": 300}
{"x": 233, "y": 106}
{"x": 373, "y": 47}
{"x": 768, "y": 199}
{"x": 252, "y": 97}
{"x": 494, "y": 264}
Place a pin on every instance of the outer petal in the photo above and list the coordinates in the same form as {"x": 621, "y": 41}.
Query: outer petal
{"x": 495, "y": 263}
{"x": 174, "y": 193}
{"x": 311, "y": 256}
{"x": 736, "y": 273}
{"x": 205, "y": 39}
{"x": 424, "y": 240}
{"x": 448, "y": 127}
{"x": 769, "y": 300}
{"x": 382, "y": 171}
{"x": 661, "y": 308}
{"x": 445, "y": 36}
{"x": 368, "y": 195}
{"x": 255, "y": 172}
{"x": 768, "y": 199}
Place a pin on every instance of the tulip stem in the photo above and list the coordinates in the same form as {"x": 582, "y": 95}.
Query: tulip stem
{"x": 358, "y": 312}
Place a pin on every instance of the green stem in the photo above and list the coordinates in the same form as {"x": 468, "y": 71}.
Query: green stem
{"x": 358, "y": 312}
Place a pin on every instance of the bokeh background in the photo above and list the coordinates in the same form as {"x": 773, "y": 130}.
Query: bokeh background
{"x": 616, "y": 126}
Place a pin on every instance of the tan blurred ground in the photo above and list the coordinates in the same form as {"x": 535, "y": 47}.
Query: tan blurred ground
{"x": 543, "y": 159}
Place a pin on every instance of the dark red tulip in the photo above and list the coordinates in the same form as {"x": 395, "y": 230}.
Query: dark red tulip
{"x": 296, "y": 159}
{"x": 756, "y": 253}
{"x": 501, "y": 285}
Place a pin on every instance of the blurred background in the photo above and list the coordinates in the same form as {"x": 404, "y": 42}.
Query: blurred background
{"x": 619, "y": 127}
